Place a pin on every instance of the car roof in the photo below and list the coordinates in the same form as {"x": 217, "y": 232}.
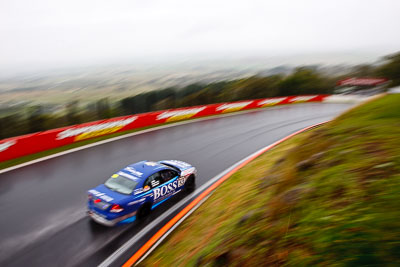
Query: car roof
{"x": 141, "y": 170}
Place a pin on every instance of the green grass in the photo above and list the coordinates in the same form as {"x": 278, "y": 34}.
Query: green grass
{"x": 328, "y": 197}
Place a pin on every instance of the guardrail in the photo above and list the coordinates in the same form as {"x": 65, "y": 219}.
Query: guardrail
{"x": 19, "y": 146}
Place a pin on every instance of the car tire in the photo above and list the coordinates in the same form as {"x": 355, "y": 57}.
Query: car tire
{"x": 143, "y": 211}
{"x": 190, "y": 184}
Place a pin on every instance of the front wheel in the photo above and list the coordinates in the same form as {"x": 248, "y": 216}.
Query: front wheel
{"x": 190, "y": 184}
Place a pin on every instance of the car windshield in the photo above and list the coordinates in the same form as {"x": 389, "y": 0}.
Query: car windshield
{"x": 121, "y": 184}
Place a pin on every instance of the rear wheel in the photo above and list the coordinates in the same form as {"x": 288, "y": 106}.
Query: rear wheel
{"x": 190, "y": 184}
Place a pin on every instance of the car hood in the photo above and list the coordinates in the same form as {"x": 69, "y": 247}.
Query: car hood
{"x": 108, "y": 195}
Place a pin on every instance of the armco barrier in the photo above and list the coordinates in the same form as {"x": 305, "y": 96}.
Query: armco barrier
{"x": 19, "y": 146}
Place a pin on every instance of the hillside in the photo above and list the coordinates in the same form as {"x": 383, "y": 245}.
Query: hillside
{"x": 327, "y": 197}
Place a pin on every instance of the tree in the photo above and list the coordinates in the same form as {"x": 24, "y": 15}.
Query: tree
{"x": 190, "y": 89}
{"x": 391, "y": 69}
{"x": 304, "y": 81}
{"x": 363, "y": 70}
{"x": 256, "y": 87}
{"x": 72, "y": 116}
{"x": 36, "y": 119}
{"x": 13, "y": 125}
{"x": 103, "y": 109}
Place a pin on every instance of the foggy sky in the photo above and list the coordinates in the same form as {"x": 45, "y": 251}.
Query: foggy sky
{"x": 67, "y": 32}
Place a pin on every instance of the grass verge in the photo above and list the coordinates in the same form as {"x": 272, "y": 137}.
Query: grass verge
{"x": 326, "y": 197}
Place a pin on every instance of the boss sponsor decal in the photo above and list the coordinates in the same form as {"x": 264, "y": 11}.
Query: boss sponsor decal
{"x": 271, "y": 102}
{"x": 101, "y": 195}
{"x": 176, "y": 115}
{"x": 6, "y": 145}
{"x": 167, "y": 189}
{"x": 86, "y": 132}
{"x": 233, "y": 106}
{"x": 302, "y": 98}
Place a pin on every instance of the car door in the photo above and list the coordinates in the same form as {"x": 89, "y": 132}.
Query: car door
{"x": 168, "y": 186}
{"x": 153, "y": 182}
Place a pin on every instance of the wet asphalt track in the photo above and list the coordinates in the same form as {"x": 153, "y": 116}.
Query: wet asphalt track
{"x": 42, "y": 206}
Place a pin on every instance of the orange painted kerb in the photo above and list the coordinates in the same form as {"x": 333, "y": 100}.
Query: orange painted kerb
{"x": 135, "y": 257}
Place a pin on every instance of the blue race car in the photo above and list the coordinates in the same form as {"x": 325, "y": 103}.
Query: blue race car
{"x": 134, "y": 191}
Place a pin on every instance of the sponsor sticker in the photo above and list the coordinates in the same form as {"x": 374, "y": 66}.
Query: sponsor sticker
{"x": 168, "y": 189}
{"x": 128, "y": 175}
{"x": 233, "y": 106}
{"x": 362, "y": 81}
{"x": 138, "y": 191}
{"x": 7, "y": 145}
{"x": 81, "y": 133}
{"x": 154, "y": 183}
{"x": 133, "y": 171}
{"x": 177, "y": 115}
{"x": 103, "y": 196}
